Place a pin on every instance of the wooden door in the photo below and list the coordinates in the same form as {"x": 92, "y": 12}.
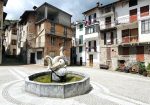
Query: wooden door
{"x": 91, "y": 60}
{"x": 108, "y": 53}
{"x": 140, "y": 53}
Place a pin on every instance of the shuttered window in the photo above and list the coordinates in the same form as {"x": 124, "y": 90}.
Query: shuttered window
{"x": 144, "y": 11}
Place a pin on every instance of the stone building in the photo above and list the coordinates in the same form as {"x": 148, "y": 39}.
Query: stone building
{"x": 10, "y": 42}
{"x": 117, "y": 33}
{"x": 2, "y": 17}
{"x": 43, "y": 31}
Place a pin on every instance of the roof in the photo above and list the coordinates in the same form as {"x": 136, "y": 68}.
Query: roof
{"x": 26, "y": 13}
{"x": 103, "y": 6}
{"x": 23, "y": 17}
{"x": 47, "y": 4}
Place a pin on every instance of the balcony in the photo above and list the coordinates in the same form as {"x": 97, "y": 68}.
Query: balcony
{"x": 107, "y": 26}
{"x": 92, "y": 49}
{"x": 92, "y": 22}
{"x": 130, "y": 39}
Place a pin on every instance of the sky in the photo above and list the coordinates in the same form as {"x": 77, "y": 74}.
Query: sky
{"x": 15, "y": 8}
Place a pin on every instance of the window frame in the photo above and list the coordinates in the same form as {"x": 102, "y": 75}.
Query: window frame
{"x": 80, "y": 49}
{"x": 143, "y": 22}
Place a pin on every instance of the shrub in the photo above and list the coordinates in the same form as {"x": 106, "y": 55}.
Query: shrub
{"x": 142, "y": 67}
{"x": 117, "y": 69}
{"x": 148, "y": 70}
{"x": 148, "y": 67}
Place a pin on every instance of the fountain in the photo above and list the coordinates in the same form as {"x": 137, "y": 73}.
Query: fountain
{"x": 57, "y": 82}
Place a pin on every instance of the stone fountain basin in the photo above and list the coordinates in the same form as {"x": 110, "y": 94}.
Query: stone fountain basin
{"x": 58, "y": 90}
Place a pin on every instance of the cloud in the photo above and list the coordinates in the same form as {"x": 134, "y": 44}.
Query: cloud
{"x": 15, "y": 8}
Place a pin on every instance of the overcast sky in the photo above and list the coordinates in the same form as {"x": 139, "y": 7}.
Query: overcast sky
{"x": 15, "y": 8}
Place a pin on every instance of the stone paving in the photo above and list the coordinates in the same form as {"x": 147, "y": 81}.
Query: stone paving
{"x": 109, "y": 88}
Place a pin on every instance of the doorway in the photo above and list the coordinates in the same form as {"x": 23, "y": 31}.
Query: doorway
{"x": 91, "y": 60}
{"x": 140, "y": 53}
{"x": 81, "y": 61}
{"x": 32, "y": 58}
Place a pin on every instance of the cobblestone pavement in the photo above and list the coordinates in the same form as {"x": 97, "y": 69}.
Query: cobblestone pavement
{"x": 109, "y": 88}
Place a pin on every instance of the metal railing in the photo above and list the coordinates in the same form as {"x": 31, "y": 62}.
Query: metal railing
{"x": 92, "y": 49}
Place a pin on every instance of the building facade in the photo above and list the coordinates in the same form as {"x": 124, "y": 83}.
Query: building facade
{"x": 92, "y": 37}
{"x": 10, "y": 42}
{"x": 133, "y": 31}
{"x": 43, "y": 31}
{"x": 2, "y": 16}
{"x": 80, "y": 44}
{"x": 117, "y": 33}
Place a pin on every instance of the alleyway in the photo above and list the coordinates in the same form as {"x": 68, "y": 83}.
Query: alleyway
{"x": 109, "y": 88}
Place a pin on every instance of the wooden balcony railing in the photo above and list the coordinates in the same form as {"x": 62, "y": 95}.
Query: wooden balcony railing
{"x": 130, "y": 39}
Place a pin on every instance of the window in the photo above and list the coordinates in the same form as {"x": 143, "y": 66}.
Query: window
{"x": 89, "y": 43}
{"x": 65, "y": 31}
{"x": 145, "y": 27}
{"x": 134, "y": 32}
{"x": 91, "y": 19}
{"x": 81, "y": 27}
{"x": 125, "y": 33}
{"x": 52, "y": 41}
{"x": 133, "y": 15}
{"x": 92, "y": 29}
{"x": 95, "y": 48}
{"x": 52, "y": 31}
{"x": 133, "y": 3}
{"x": 125, "y": 51}
{"x": 14, "y": 31}
{"x": 125, "y": 36}
{"x": 13, "y": 42}
{"x": 39, "y": 55}
{"x": 108, "y": 21}
{"x": 144, "y": 11}
{"x": 80, "y": 49}
{"x": 81, "y": 39}
{"x": 108, "y": 38}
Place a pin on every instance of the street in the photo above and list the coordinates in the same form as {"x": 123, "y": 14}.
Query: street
{"x": 108, "y": 88}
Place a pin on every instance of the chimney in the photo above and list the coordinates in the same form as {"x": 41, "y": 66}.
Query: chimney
{"x": 97, "y": 4}
{"x": 34, "y": 7}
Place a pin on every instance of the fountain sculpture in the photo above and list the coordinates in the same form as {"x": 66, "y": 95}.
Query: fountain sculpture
{"x": 59, "y": 87}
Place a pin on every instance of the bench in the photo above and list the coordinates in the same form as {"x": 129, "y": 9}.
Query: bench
{"x": 103, "y": 66}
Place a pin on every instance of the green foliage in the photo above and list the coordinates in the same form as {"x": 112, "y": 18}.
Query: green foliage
{"x": 142, "y": 66}
{"x": 117, "y": 69}
{"x": 148, "y": 67}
